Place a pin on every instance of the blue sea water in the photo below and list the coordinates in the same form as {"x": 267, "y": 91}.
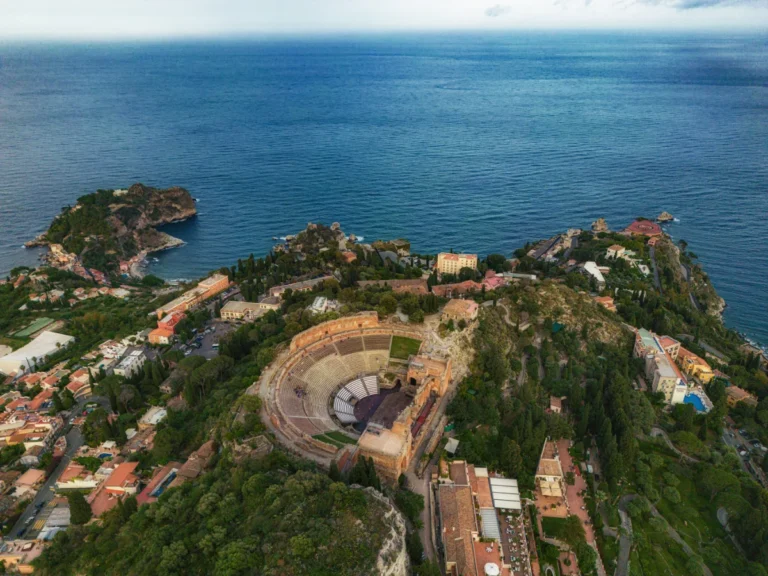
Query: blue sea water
{"x": 464, "y": 141}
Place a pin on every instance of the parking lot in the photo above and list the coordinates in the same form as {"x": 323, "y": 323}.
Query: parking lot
{"x": 202, "y": 344}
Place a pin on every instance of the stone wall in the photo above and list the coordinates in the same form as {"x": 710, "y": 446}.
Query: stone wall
{"x": 326, "y": 329}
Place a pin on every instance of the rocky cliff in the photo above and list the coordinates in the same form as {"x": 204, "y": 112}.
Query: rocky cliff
{"x": 110, "y": 226}
{"x": 393, "y": 557}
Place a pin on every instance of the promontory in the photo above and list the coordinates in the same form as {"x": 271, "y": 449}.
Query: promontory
{"x": 108, "y": 229}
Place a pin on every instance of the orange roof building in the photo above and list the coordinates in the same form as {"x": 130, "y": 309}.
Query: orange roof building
{"x": 161, "y": 336}
{"x": 460, "y": 310}
{"x": 643, "y": 228}
{"x": 606, "y": 302}
{"x": 694, "y": 365}
{"x": 734, "y": 395}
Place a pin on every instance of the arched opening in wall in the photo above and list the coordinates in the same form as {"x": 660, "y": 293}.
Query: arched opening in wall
{"x": 398, "y": 382}
{"x": 413, "y": 382}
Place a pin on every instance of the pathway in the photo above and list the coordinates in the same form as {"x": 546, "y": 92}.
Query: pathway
{"x": 658, "y": 432}
{"x": 656, "y": 281}
{"x": 625, "y": 542}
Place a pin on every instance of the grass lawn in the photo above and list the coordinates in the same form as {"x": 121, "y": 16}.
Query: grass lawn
{"x": 339, "y": 437}
{"x": 403, "y": 347}
{"x": 553, "y": 527}
{"x": 327, "y": 440}
{"x": 38, "y": 324}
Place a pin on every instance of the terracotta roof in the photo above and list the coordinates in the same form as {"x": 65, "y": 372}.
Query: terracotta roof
{"x": 31, "y": 477}
{"x": 82, "y": 372}
{"x": 40, "y": 399}
{"x": 667, "y": 341}
{"x": 161, "y": 332}
{"x": 461, "y": 307}
{"x": 74, "y": 470}
{"x": 644, "y": 227}
{"x": 458, "y": 522}
{"x": 738, "y": 394}
{"x": 122, "y": 476}
{"x": 549, "y": 468}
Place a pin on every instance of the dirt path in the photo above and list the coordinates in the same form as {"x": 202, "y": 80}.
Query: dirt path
{"x": 658, "y": 432}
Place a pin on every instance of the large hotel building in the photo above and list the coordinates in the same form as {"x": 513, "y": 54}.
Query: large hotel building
{"x": 191, "y": 298}
{"x": 448, "y": 263}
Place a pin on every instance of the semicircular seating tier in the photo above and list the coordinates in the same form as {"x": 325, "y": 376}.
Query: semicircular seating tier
{"x": 305, "y": 393}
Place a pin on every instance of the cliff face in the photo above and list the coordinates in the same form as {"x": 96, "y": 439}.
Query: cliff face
{"x": 113, "y": 225}
{"x": 393, "y": 557}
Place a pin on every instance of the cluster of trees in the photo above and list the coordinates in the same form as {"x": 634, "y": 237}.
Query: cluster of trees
{"x": 271, "y": 516}
{"x": 128, "y": 395}
{"x": 503, "y": 431}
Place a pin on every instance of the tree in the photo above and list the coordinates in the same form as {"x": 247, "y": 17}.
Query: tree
{"x": 684, "y": 415}
{"x": 388, "y": 304}
{"x": 573, "y": 531}
{"x": 411, "y": 505}
{"x": 715, "y": 480}
{"x": 334, "y": 473}
{"x": 414, "y": 546}
{"x": 511, "y": 459}
{"x": 79, "y": 510}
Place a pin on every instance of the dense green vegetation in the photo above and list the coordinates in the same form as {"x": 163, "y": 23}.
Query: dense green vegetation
{"x": 274, "y": 517}
{"x": 280, "y": 516}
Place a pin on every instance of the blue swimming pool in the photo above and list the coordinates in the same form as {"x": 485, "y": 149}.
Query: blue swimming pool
{"x": 696, "y": 401}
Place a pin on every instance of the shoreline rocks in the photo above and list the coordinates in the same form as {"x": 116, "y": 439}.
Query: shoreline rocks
{"x": 665, "y": 217}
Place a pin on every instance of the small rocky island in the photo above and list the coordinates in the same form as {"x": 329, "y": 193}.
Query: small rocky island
{"x": 665, "y": 217}
{"x": 112, "y": 230}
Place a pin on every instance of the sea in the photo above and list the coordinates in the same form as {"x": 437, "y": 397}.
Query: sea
{"x": 465, "y": 141}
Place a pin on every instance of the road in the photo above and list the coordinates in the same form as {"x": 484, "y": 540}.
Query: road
{"x": 625, "y": 542}
{"x": 46, "y": 493}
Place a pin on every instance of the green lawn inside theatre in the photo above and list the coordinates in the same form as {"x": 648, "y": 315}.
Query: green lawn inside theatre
{"x": 327, "y": 440}
{"x": 339, "y": 437}
{"x": 403, "y": 347}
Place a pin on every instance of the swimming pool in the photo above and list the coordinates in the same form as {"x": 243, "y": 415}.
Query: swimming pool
{"x": 697, "y": 402}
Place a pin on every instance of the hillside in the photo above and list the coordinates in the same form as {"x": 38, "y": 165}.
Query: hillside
{"x": 108, "y": 226}
{"x": 268, "y": 517}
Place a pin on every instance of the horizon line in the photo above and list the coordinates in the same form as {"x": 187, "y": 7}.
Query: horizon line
{"x": 757, "y": 29}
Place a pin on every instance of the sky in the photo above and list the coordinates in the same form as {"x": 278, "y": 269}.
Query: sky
{"x": 112, "y": 19}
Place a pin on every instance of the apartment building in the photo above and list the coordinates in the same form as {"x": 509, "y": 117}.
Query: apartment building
{"x": 448, "y": 263}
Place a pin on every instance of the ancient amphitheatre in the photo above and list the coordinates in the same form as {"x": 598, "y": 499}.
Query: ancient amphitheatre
{"x": 354, "y": 387}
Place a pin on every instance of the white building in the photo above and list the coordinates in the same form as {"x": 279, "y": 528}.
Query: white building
{"x": 131, "y": 364}
{"x": 36, "y": 352}
{"x": 152, "y": 417}
{"x": 319, "y": 306}
{"x": 593, "y": 270}
{"x": 615, "y": 251}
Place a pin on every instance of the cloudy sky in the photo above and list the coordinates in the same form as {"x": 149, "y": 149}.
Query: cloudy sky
{"x": 164, "y": 18}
